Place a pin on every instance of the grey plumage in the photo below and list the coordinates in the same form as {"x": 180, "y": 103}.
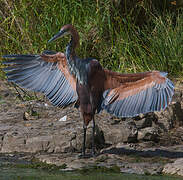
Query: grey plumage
{"x": 151, "y": 99}
{"x": 33, "y": 73}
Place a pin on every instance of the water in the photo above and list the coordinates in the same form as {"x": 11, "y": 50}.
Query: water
{"x": 11, "y": 169}
{"x": 9, "y": 173}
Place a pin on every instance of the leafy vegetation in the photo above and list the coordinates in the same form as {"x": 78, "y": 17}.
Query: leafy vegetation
{"x": 125, "y": 36}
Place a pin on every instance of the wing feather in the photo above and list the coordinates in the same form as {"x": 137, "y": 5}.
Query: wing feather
{"x": 152, "y": 92}
{"x": 47, "y": 73}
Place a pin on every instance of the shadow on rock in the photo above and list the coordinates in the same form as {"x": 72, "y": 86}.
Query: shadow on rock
{"x": 146, "y": 153}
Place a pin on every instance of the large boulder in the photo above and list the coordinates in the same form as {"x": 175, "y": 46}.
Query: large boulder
{"x": 125, "y": 131}
{"x": 77, "y": 141}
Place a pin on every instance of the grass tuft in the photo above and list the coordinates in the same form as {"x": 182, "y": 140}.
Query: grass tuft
{"x": 125, "y": 36}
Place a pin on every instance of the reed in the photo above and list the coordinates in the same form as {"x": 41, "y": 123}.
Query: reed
{"x": 112, "y": 33}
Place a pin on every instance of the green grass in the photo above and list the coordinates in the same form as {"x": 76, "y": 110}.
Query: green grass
{"x": 107, "y": 33}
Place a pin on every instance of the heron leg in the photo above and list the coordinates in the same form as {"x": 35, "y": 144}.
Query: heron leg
{"x": 93, "y": 137}
{"x": 84, "y": 141}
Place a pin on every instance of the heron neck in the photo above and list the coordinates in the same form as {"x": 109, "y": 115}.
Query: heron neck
{"x": 76, "y": 65}
{"x": 72, "y": 60}
{"x": 70, "y": 56}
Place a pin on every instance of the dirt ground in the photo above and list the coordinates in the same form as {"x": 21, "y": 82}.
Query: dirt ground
{"x": 30, "y": 124}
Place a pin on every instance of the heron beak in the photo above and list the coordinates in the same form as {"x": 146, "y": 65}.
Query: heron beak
{"x": 56, "y": 36}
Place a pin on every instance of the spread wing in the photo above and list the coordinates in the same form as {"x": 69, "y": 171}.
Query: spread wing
{"x": 128, "y": 95}
{"x": 47, "y": 73}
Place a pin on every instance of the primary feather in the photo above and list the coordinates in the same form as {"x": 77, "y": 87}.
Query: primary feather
{"x": 36, "y": 74}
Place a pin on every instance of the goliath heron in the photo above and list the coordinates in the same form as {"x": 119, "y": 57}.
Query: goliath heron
{"x": 66, "y": 79}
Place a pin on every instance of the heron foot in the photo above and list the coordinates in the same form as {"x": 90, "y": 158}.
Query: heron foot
{"x": 93, "y": 153}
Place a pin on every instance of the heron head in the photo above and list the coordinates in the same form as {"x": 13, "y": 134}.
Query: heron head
{"x": 63, "y": 31}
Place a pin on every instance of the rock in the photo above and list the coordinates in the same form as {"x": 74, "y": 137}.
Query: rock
{"x": 142, "y": 168}
{"x": 169, "y": 118}
{"x": 19, "y": 141}
{"x": 177, "y": 115}
{"x": 71, "y": 162}
{"x": 30, "y": 114}
{"x": 7, "y": 93}
{"x": 99, "y": 138}
{"x": 102, "y": 161}
{"x": 27, "y": 116}
{"x": 175, "y": 168}
{"x": 13, "y": 141}
{"x": 142, "y": 123}
{"x": 40, "y": 143}
{"x": 125, "y": 131}
{"x": 148, "y": 134}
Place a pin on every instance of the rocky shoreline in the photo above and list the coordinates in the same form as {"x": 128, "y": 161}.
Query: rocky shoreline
{"x": 147, "y": 144}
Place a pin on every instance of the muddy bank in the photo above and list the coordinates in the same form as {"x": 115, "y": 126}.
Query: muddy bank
{"x": 150, "y": 144}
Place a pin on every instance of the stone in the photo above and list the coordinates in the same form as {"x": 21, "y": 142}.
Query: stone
{"x": 175, "y": 168}
{"x": 142, "y": 168}
{"x": 177, "y": 114}
{"x": 77, "y": 142}
{"x": 13, "y": 141}
{"x": 40, "y": 143}
{"x": 17, "y": 141}
{"x": 148, "y": 134}
{"x": 30, "y": 114}
{"x": 125, "y": 131}
{"x": 170, "y": 118}
{"x": 145, "y": 122}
